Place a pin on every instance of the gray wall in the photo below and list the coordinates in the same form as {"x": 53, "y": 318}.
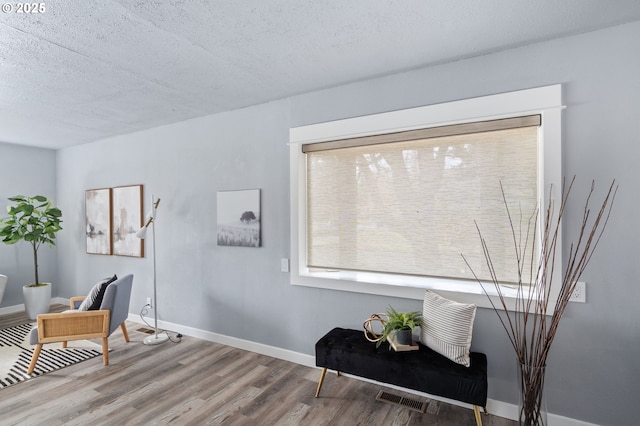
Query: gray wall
{"x": 592, "y": 371}
{"x": 26, "y": 171}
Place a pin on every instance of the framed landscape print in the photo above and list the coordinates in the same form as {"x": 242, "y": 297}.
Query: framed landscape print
{"x": 97, "y": 205}
{"x": 239, "y": 218}
{"x": 126, "y": 214}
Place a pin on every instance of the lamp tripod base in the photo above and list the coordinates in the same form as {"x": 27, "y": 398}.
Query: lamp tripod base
{"x": 156, "y": 339}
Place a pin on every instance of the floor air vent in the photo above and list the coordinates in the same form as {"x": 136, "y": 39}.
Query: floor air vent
{"x": 145, "y": 330}
{"x": 411, "y": 404}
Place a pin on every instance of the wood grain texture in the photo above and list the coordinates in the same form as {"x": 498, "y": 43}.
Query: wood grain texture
{"x": 197, "y": 382}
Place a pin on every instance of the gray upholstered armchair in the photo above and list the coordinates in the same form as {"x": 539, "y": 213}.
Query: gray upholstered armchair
{"x": 78, "y": 325}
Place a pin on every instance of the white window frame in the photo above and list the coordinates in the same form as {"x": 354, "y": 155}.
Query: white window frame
{"x": 546, "y": 101}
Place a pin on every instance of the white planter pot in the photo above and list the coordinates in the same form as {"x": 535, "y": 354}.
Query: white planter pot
{"x": 37, "y": 299}
{"x": 3, "y": 285}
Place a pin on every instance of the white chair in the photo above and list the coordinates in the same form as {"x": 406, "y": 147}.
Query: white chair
{"x": 3, "y": 285}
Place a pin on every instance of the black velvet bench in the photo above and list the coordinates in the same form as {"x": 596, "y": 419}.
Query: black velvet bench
{"x": 348, "y": 351}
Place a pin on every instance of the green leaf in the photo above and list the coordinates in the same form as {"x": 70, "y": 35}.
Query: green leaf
{"x": 11, "y": 240}
{"x": 55, "y": 212}
{"x": 26, "y": 208}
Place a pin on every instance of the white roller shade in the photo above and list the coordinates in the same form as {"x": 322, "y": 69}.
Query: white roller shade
{"x": 409, "y": 207}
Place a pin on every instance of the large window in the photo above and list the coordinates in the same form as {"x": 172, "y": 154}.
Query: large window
{"x": 386, "y": 204}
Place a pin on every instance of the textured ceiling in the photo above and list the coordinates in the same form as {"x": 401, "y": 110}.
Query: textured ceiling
{"x": 82, "y": 71}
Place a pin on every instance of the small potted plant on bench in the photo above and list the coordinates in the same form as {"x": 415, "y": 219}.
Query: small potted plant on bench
{"x": 401, "y": 324}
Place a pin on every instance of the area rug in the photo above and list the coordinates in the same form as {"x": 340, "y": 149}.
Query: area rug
{"x": 16, "y": 352}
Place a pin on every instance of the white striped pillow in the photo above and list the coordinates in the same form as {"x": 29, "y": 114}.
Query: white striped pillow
{"x": 447, "y": 327}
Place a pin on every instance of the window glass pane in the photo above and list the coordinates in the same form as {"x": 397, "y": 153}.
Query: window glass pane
{"x": 409, "y": 207}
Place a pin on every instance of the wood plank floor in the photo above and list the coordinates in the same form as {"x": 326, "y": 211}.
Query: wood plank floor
{"x": 197, "y": 382}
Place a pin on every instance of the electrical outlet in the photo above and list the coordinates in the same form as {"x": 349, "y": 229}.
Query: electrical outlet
{"x": 579, "y": 293}
{"x": 149, "y": 302}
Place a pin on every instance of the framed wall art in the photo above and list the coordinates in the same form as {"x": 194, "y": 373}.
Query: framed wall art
{"x": 239, "y": 218}
{"x": 97, "y": 207}
{"x": 126, "y": 220}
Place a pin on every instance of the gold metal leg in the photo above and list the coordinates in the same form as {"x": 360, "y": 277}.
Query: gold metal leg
{"x": 476, "y": 411}
{"x": 322, "y": 374}
{"x": 485, "y": 410}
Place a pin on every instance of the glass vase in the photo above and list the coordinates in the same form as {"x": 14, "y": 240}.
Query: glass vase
{"x": 532, "y": 404}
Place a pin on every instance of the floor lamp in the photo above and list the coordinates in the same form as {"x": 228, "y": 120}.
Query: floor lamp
{"x": 162, "y": 337}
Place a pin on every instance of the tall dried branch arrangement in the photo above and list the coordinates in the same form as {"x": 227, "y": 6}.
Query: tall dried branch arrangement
{"x": 530, "y": 329}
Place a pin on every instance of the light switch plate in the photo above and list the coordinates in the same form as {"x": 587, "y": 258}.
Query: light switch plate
{"x": 284, "y": 265}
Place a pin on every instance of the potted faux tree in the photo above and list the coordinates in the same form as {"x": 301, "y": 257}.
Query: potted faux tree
{"x": 402, "y": 324}
{"x": 36, "y": 221}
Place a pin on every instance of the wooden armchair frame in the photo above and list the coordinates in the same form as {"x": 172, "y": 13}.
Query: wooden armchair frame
{"x": 67, "y": 326}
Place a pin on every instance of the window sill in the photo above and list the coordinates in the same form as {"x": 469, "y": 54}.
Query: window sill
{"x": 409, "y": 287}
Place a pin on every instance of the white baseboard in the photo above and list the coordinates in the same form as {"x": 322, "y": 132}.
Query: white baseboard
{"x": 59, "y": 301}
{"x": 12, "y": 309}
{"x": 19, "y": 308}
{"x": 510, "y": 411}
{"x": 495, "y": 407}
{"x": 246, "y": 345}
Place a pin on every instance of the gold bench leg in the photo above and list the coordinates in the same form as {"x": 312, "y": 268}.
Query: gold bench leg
{"x": 476, "y": 411}
{"x": 322, "y": 374}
